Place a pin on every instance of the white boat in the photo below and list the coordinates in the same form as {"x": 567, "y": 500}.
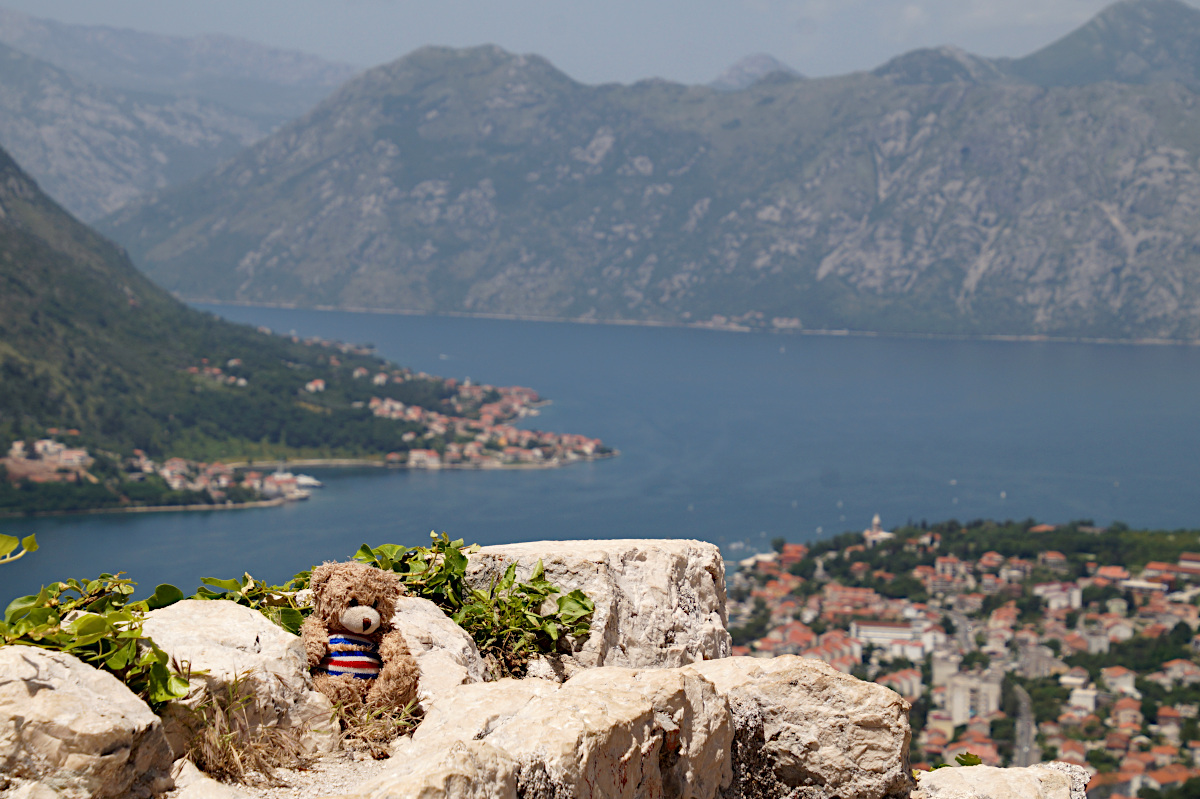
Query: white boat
{"x": 302, "y": 480}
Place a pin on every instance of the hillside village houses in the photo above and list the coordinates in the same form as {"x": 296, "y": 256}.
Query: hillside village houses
{"x": 47, "y": 461}
{"x": 953, "y": 658}
{"x": 493, "y": 443}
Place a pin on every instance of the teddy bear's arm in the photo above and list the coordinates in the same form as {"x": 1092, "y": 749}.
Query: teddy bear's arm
{"x": 397, "y": 682}
{"x": 316, "y": 640}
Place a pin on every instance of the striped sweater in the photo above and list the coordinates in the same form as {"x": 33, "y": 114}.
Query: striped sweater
{"x": 355, "y": 655}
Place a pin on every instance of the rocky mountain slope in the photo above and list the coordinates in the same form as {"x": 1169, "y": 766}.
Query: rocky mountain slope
{"x": 943, "y": 194}
{"x": 95, "y": 148}
{"x": 749, "y": 71}
{"x": 264, "y": 84}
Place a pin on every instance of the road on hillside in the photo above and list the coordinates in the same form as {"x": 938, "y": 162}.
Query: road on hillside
{"x": 1024, "y": 748}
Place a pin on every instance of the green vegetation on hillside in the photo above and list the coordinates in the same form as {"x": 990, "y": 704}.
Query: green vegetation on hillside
{"x": 87, "y": 342}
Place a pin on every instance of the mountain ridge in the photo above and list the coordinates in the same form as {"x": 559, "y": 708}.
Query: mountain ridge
{"x": 267, "y": 84}
{"x": 96, "y": 148}
{"x": 936, "y": 196}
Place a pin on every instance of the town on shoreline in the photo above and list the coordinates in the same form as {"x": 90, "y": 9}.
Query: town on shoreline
{"x": 444, "y": 424}
{"x": 1015, "y": 642}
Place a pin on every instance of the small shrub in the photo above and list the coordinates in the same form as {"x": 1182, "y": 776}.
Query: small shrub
{"x": 371, "y": 729}
{"x": 95, "y": 621}
{"x": 229, "y": 743}
{"x": 276, "y": 602}
{"x": 505, "y": 621}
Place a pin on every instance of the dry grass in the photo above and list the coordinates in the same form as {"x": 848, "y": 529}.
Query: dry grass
{"x": 372, "y": 729}
{"x": 230, "y": 744}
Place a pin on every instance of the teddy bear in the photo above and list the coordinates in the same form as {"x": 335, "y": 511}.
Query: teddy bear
{"x": 355, "y": 654}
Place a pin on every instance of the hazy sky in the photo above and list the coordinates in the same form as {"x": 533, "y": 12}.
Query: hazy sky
{"x": 607, "y": 40}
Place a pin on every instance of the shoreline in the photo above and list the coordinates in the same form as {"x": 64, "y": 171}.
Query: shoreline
{"x": 258, "y": 503}
{"x": 308, "y": 462}
{"x": 322, "y": 463}
{"x": 728, "y": 328}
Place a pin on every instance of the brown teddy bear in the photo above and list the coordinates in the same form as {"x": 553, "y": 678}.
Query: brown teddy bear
{"x": 355, "y": 654}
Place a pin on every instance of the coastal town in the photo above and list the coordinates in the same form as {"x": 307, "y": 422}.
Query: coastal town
{"x": 1016, "y": 657}
{"x": 440, "y": 423}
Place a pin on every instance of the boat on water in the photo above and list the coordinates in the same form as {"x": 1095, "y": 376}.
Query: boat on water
{"x": 299, "y": 480}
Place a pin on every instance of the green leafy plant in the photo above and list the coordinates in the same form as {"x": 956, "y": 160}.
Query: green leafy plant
{"x": 964, "y": 759}
{"x": 506, "y": 621}
{"x": 276, "y": 602}
{"x": 8, "y": 546}
{"x": 95, "y": 621}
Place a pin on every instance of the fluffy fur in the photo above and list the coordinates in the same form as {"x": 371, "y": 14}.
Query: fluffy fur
{"x": 334, "y": 585}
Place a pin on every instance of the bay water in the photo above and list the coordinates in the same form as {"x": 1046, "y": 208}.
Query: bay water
{"x": 726, "y": 437}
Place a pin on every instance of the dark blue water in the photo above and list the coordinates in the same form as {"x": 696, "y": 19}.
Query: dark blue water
{"x": 731, "y": 438}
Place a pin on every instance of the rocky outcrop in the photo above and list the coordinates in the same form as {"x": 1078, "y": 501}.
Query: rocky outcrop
{"x": 446, "y": 655}
{"x": 659, "y": 603}
{"x": 609, "y": 732}
{"x": 223, "y": 643}
{"x": 192, "y": 783}
{"x": 696, "y": 724}
{"x": 800, "y": 724}
{"x": 71, "y": 731}
{"x": 1045, "y": 781}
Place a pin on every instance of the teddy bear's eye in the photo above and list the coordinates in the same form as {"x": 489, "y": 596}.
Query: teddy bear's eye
{"x": 353, "y": 603}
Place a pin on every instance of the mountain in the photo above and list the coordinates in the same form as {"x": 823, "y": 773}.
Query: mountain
{"x": 749, "y": 71}
{"x": 264, "y": 84}
{"x": 934, "y": 197}
{"x": 1132, "y": 41}
{"x": 940, "y": 65}
{"x": 96, "y": 148}
{"x": 87, "y": 342}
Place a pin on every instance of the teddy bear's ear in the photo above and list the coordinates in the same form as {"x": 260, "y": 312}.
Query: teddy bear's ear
{"x": 320, "y": 576}
{"x": 317, "y": 583}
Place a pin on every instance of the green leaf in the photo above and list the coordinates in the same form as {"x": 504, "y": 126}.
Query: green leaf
{"x": 120, "y": 658}
{"x": 30, "y": 543}
{"x": 89, "y": 624}
{"x": 968, "y": 759}
{"x": 228, "y": 585}
{"x": 165, "y": 594}
{"x": 7, "y": 544}
{"x": 22, "y": 603}
{"x": 291, "y": 620}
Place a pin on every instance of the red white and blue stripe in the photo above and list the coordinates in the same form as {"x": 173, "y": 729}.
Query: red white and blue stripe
{"x": 361, "y": 662}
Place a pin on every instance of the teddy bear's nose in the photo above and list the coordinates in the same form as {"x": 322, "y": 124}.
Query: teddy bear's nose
{"x": 366, "y": 623}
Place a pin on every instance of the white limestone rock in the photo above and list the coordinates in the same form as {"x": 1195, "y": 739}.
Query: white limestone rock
{"x": 228, "y": 642}
{"x": 472, "y": 712}
{"x": 72, "y": 731}
{"x": 446, "y": 655}
{"x": 800, "y": 724}
{"x": 464, "y": 770}
{"x": 608, "y": 734}
{"x": 986, "y": 782}
{"x": 659, "y": 603}
{"x": 695, "y": 720}
{"x": 192, "y": 783}
{"x": 1079, "y": 776}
